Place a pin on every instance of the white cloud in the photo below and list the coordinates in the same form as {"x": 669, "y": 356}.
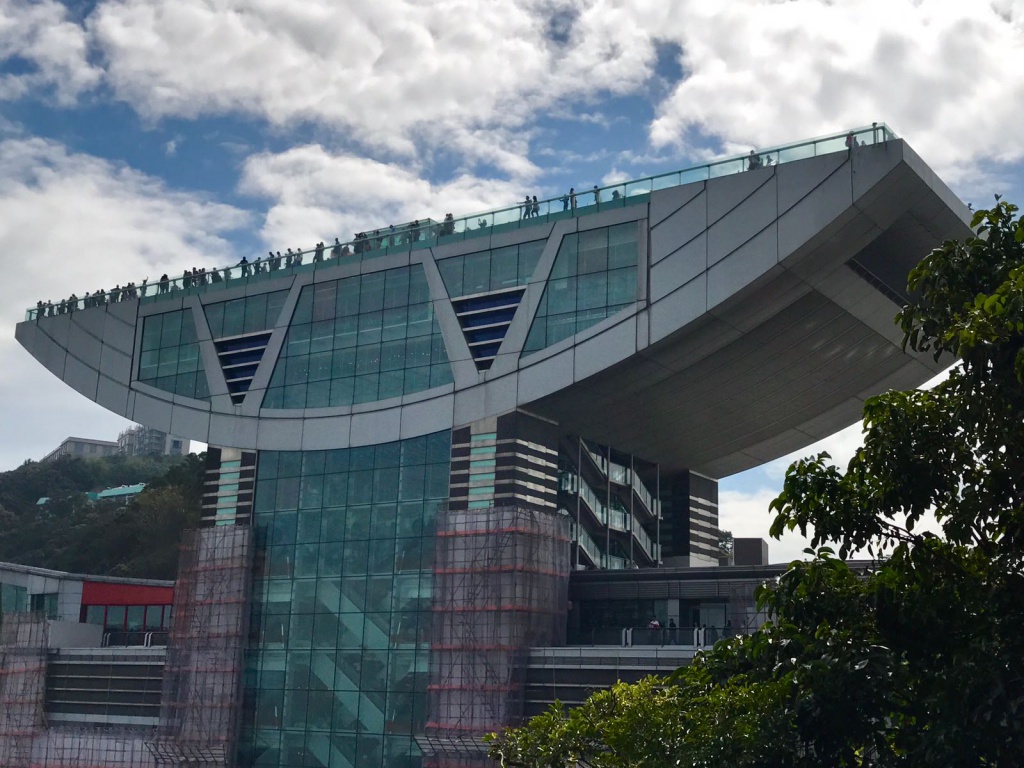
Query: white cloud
{"x": 461, "y": 75}
{"x": 746, "y": 515}
{"x": 765, "y": 73}
{"x": 317, "y": 195}
{"x": 76, "y": 223}
{"x": 55, "y": 49}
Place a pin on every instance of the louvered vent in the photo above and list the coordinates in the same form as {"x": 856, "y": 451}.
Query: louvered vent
{"x": 239, "y": 357}
{"x": 485, "y": 318}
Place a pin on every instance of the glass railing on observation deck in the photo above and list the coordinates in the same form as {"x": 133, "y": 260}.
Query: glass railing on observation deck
{"x": 425, "y": 232}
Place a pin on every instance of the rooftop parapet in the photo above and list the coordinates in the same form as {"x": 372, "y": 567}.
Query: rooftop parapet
{"x": 424, "y": 233}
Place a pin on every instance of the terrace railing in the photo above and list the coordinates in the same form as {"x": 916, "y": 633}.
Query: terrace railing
{"x": 426, "y": 233}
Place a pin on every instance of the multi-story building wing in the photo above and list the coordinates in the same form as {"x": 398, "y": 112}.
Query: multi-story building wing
{"x": 83, "y": 448}
{"x": 427, "y": 430}
{"x": 146, "y": 441}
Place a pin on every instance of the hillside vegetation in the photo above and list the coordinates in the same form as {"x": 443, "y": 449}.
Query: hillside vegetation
{"x": 70, "y": 533}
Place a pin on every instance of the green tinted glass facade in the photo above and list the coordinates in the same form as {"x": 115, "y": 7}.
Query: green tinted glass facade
{"x": 360, "y": 339}
{"x": 338, "y": 674}
{"x": 170, "y": 358}
{"x": 13, "y": 599}
{"x": 246, "y": 315}
{"x": 593, "y": 277}
{"x": 490, "y": 270}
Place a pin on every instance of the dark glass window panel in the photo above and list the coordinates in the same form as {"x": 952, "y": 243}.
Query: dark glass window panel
{"x": 342, "y": 391}
{"x": 417, "y": 379}
{"x": 438, "y": 354}
{"x": 332, "y": 527}
{"x": 346, "y": 332}
{"x": 451, "y": 273}
{"x": 324, "y": 301}
{"x": 565, "y": 259}
{"x": 593, "y": 251}
{"x": 304, "y": 307}
{"x": 366, "y": 388}
{"x": 343, "y": 363}
{"x": 477, "y": 273}
{"x": 294, "y": 396}
{"x": 274, "y": 398}
{"x": 410, "y": 484}
{"x": 420, "y": 320}
{"x": 504, "y": 267}
{"x": 371, "y": 292}
{"x": 396, "y": 290}
{"x": 170, "y": 333}
{"x": 391, "y": 384}
{"x": 303, "y": 596}
{"x": 382, "y": 524}
{"x": 622, "y": 286}
{"x": 385, "y": 484}
{"x": 306, "y": 558}
{"x": 319, "y": 366}
{"x": 348, "y": 297}
{"x": 116, "y": 617}
{"x": 275, "y": 305}
{"x": 297, "y": 343}
{"x": 529, "y": 255}
{"x": 185, "y": 385}
{"x": 283, "y": 529}
{"x": 321, "y": 336}
{"x": 394, "y": 323}
{"x": 234, "y": 318}
{"x": 419, "y": 290}
{"x": 151, "y": 331}
{"x": 440, "y": 375}
{"x": 414, "y": 450}
{"x": 592, "y": 291}
{"x": 311, "y": 492}
{"x": 622, "y": 245}
{"x": 288, "y": 493}
{"x": 215, "y": 319}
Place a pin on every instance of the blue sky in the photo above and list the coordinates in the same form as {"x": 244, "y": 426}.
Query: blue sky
{"x": 143, "y": 136}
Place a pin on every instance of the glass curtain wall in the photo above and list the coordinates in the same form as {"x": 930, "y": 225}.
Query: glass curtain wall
{"x": 358, "y": 340}
{"x": 338, "y": 673}
{"x": 246, "y": 315}
{"x": 170, "y": 358}
{"x": 492, "y": 270}
{"x": 593, "y": 277}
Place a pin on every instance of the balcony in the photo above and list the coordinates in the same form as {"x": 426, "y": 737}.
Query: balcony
{"x": 615, "y": 518}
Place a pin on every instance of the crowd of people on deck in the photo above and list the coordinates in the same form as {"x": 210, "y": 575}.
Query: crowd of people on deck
{"x": 95, "y": 299}
{"x": 364, "y": 242}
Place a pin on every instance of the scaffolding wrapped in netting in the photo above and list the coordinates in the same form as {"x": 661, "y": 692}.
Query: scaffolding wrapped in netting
{"x": 201, "y": 696}
{"x": 23, "y": 641}
{"x": 501, "y": 578}
{"x": 92, "y": 747}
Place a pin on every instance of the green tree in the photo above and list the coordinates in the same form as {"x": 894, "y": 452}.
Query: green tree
{"x": 70, "y": 533}
{"x": 917, "y": 661}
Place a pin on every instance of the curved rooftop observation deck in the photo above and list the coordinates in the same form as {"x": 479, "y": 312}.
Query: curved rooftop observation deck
{"x": 425, "y": 233}
{"x": 710, "y": 319}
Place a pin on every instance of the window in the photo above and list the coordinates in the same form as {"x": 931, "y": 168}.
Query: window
{"x": 45, "y": 603}
{"x": 95, "y": 614}
{"x": 115, "y": 618}
{"x": 593, "y": 277}
{"x": 169, "y": 358}
{"x": 360, "y": 339}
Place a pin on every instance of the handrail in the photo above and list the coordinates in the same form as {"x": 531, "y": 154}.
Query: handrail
{"x": 702, "y": 636}
{"x": 615, "y": 517}
{"x": 415, "y": 235}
